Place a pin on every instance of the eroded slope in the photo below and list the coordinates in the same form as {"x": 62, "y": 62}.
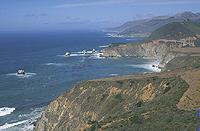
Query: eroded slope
{"x": 140, "y": 102}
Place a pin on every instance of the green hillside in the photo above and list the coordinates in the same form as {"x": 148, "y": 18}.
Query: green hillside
{"x": 176, "y": 30}
{"x": 183, "y": 62}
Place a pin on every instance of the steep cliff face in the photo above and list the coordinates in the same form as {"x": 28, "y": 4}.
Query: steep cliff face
{"x": 128, "y": 103}
{"x": 161, "y": 49}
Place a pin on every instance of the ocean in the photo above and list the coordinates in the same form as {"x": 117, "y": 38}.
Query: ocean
{"x": 49, "y": 73}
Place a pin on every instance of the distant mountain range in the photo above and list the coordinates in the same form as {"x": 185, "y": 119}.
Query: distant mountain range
{"x": 146, "y": 26}
{"x": 176, "y": 31}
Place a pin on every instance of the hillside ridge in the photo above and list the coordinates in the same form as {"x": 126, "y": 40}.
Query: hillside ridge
{"x": 146, "y": 26}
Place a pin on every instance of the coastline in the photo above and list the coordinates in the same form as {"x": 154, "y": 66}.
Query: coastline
{"x": 90, "y": 100}
{"x": 116, "y": 35}
{"x": 152, "y": 66}
{"x": 93, "y": 104}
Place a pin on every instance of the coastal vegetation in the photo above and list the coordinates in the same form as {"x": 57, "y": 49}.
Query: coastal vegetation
{"x": 183, "y": 62}
{"x": 176, "y": 31}
{"x": 164, "y": 101}
{"x": 143, "y": 102}
{"x": 145, "y": 27}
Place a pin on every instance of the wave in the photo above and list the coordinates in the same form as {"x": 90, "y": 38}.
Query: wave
{"x": 78, "y": 54}
{"x": 73, "y": 55}
{"x": 25, "y": 121}
{"x": 130, "y": 39}
{"x": 113, "y": 74}
{"x": 6, "y": 126}
{"x": 148, "y": 66}
{"x": 27, "y": 75}
{"x": 34, "y": 115}
{"x": 104, "y": 46}
{"x": 97, "y": 56}
{"x": 56, "y": 64}
{"x": 6, "y": 111}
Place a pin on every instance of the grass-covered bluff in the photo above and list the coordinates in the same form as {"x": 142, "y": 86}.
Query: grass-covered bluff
{"x": 143, "y": 102}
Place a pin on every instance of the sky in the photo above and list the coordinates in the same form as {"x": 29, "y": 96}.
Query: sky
{"x": 17, "y": 15}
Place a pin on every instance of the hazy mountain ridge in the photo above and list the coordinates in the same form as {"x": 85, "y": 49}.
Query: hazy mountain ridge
{"x": 146, "y": 26}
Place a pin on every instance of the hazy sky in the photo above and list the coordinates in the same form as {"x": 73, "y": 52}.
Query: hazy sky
{"x": 84, "y": 14}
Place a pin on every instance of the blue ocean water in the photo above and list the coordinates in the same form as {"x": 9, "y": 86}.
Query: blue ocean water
{"x": 49, "y": 73}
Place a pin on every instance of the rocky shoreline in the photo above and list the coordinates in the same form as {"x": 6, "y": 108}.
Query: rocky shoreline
{"x": 162, "y": 49}
{"x": 151, "y": 101}
{"x": 134, "y": 101}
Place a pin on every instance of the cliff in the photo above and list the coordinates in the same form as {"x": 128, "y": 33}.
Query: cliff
{"x": 139, "y": 102}
{"x": 161, "y": 49}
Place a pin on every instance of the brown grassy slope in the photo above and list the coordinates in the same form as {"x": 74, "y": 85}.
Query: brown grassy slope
{"x": 191, "y": 98}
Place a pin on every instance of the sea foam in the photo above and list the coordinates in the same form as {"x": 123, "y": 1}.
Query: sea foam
{"x": 27, "y": 75}
{"x": 6, "y": 111}
{"x": 113, "y": 74}
{"x": 56, "y": 64}
{"x": 104, "y": 46}
{"x": 148, "y": 66}
{"x": 25, "y": 122}
{"x": 6, "y": 126}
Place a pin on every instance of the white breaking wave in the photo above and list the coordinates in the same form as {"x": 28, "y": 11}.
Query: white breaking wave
{"x": 56, "y": 64}
{"x": 27, "y": 75}
{"x": 6, "y": 111}
{"x": 78, "y": 54}
{"x": 73, "y": 55}
{"x": 6, "y": 126}
{"x": 113, "y": 74}
{"x": 148, "y": 66}
{"x": 34, "y": 115}
{"x": 26, "y": 122}
{"x": 97, "y": 56}
{"x": 104, "y": 46}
